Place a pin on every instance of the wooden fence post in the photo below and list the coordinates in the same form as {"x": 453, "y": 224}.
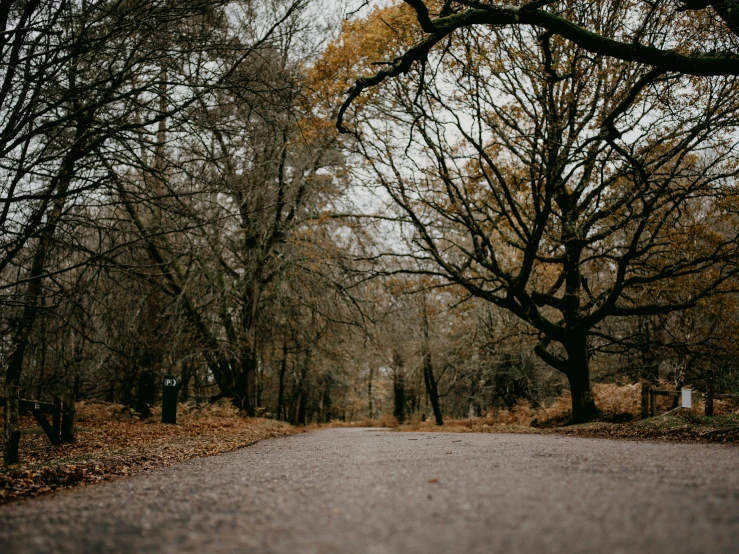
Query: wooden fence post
{"x": 44, "y": 424}
{"x": 67, "y": 434}
{"x": 12, "y": 429}
{"x": 645, "y": 400}
{"x": 652, "y": 403}
{"x": 709, "y": 393}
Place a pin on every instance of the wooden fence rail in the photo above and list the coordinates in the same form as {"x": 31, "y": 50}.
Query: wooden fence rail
{"x": 59, "y": 431}
{"x": 649, "y": 399}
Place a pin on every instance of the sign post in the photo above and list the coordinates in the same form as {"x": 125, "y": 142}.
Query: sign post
{"x": 169, "y": 399}
{"x": 687, "y": 398}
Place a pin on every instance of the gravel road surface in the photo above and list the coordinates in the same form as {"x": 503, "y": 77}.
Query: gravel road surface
{"x": 375, "y": 492}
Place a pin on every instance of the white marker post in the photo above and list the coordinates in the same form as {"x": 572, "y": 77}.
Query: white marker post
{"x": 687, "y": 398}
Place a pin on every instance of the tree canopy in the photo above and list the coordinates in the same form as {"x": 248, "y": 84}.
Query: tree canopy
{"x": 686, "y": 24}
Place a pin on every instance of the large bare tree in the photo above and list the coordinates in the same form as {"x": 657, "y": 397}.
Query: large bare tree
{"x": 562, "y": 186}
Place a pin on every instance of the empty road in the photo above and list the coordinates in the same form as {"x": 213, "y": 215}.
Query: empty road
{"x": 376, "y": 492}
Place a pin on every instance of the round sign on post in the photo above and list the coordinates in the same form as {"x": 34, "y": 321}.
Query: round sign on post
{"x": 169, "y": 399}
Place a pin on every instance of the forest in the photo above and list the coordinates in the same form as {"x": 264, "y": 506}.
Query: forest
{"x": 319, "y": 211}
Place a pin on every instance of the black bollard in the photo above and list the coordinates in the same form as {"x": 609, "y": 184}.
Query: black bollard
{"x": 169, "y": 399}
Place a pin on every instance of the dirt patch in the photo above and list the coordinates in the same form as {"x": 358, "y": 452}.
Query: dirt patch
{"x": 111, "y": 441}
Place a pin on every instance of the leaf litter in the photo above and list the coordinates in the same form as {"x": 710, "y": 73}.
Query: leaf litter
{"x": 112, "y": 441}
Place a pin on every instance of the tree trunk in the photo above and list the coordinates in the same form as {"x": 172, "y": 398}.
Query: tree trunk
{"x": 431, "y": 389}
{"x": 42, "y": 348}
{"x": 709, "y": 393}
{"x": 242, "y": 387}
{"x": 583, "y": 404}
{"x": 185, "y": 376}
{"x": 68, "y": 413}
{"x": 258, "y": 387}
{"x": 300, "y": 399}
{"x": 398, "y": 388}
{"x": 281, "y": 387}
{"x": 327, "y": 403}
{"x": 145, "y": 394}
{"x": 399, "y": 397}
{"x": 578, "y": 375}
{"x": 12, "y": 430}
{"x": 369, "y": 393}
{"x": 428, "y": 370}
{"x": 302, "y": 404}
{"x": 292, "y": 409}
